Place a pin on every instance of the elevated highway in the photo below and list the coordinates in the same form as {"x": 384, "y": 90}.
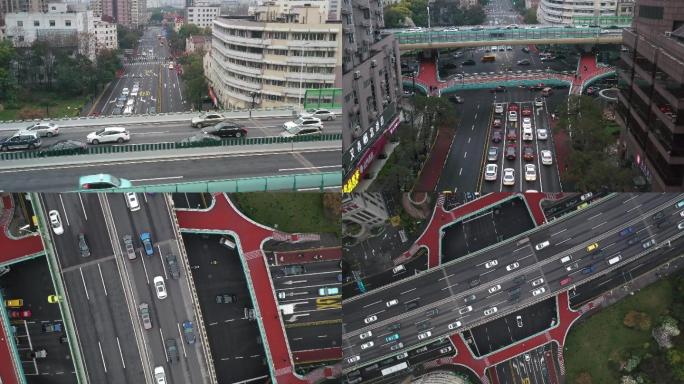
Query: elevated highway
{"x": 444, "y": 294}
{"x": 480, "y": 36}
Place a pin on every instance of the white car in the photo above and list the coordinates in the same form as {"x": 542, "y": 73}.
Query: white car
{"x": 281, "y": 295}
{"x": 538, "y": 102}
{"x": 539, "y": 281}
{"x": 465, "y": 310}
{"x": 367, "y": 345}
{"x": 512, "y": 116}
{"x": 56, "y": 222}
{"x": 43, "y": 129}
{"x": 527, "y": 123}
{"x": 321, "y": 114}
{"x": 160, "y": 287}
{"x": 530, "y": 172}
{"x": 538, "y": 291}
{"x": 546, "y": 157}
{"x": 353, "y": 359}
{"x": 159, "y": 375}
{"x": 370, "y": 319}
{"x": 512, "y": 266}
{"x": 392, "y": 303}
{"x": 490, "y": 311}
{"x": 132, "y": 201}
{"x": 134, "y": 92}
{"x": 128, "y": 110}
{"x": 451, "y": 29}
{"x": 542, "y": 134}
{"x": 303, "y": 121}
{"x": 542, "y": 245}
{"x": 491, "y": 263}
{"x": 495, "y": 288}
{"x": 365, "y": 335}
{"x": 130, "y": 102}
{"x": 508, "y": 176}
{"x": 490, "y": 172}
{"x": 498, "y": 108}
{"x": 455, "y": 325}
{"x": 170, "y": 65}
{"x": 125, "y": 92}
{"x": 527, "y": 134}
{"x": 445, "y": 350}
{"x": 108, "y": 135}
{"x": 424, "y": 335}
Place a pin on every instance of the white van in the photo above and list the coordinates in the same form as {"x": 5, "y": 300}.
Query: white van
{"x": 527, "y": 134}
{"x": 226, "y": 242}
{"x": 614, "y": 260}
{"x": 398, "y": 268}
{"x": 159, "y": 375}
{"x": 566, "y": 259}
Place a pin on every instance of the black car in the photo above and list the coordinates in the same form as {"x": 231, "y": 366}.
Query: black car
{"x": 226, "y": 298}
{"x": 498, "y": 88}
{"x": 226, "y": 129}
{"x": 83, "y": 245}
{"x": 524, "y": 62}
{"x": 20, "y": 141}
{"x": 65, "y": 147}
{"x": 172, "y": 264}
{"x": 468, "y": 62}
{"x": 171, "y": 350}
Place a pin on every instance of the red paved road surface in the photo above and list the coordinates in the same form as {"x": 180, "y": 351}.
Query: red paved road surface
{"x": 433, "y": 167}
{"x": 14, "y": 249}
{"x": 7, "y": 371}
{"x": 313, "y": 355}
{"x": 224, "y": 216}
{"x": 307, "y": 256}
{"x": 534, "y": 203}
{"x": 427, "y": 73}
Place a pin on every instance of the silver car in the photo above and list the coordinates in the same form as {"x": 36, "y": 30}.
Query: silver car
{"x": 130, "y": 249}
{"x": 43, "y": 129}
{"x": 144, "y": 310}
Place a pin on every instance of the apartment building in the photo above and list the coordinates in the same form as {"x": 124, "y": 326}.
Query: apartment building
{"x": 202, "y": 16}
{"x": 271, "y": 58}
{"x": 651, "y": 93}
{"x": 372, "y": 89}
{"x": 362, "y": 212}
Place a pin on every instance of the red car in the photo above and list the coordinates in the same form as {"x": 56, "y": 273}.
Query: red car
{"x": 510, "y": 152}
{"x": 20, "y": 314}
{"x": 528, "y": 153}
{"x": 526, "y": 111}
{"x": 512, "y": 107}
{"x": 565, "y": 281}
{"x": 512, "y": 134}
{"x": 496, "y": 123}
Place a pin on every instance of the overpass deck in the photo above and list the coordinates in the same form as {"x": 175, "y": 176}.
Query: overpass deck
{"x": 434, "y": 39}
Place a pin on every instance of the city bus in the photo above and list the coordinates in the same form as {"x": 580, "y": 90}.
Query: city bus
{"x": 488, "y": 58}
{"x": 394, "y": 368}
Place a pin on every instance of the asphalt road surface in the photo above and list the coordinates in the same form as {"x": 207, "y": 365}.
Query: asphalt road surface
{"x": 166, "y": 171}
{"x": 446, "y": 288}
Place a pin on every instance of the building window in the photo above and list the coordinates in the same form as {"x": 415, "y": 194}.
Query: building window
{"x": 36, "y": 23}
{"x": 651, "y": 12}
{"x": 67, "y": 23}
{"x": 52, "y": 23}
{"x": 20, "y": 23}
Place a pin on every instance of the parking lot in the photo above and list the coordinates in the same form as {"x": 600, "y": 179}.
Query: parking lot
{"x": 508, "y": 330}
{"x": 486, "y": 228}
{"x": 234, "y": 340}
{"x": 519, "y": 134}
{"x": 538, "y": 366}
{"x": 38, "y": 332}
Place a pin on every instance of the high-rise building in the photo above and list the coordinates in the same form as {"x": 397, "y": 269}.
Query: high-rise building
{"x": 130, "y": 13}
{"x": 651, "y": 93}
{"x": 271, "y": 58}
{"x": 363, "y": 212}
{"x": 563, "y": 11}
{"x": 202, "y": 16}
{"x": 371, "y": 79}
{"x": 138, "y": 12}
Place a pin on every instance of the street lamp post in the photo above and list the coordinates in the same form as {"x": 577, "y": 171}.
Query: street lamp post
{"x": 413, "y": 99}
{"x": 428, "y": 12}
{"x": 254, "y": 95}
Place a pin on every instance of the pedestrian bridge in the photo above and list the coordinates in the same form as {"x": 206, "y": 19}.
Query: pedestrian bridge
{"x": 479, "y": 36}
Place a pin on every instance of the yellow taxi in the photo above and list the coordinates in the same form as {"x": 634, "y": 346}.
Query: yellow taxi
{"x": 592, "y": 246}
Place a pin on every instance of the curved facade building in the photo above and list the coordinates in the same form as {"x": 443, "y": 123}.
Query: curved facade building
{"x": 272, "y": 58}
{"x": 562, "y": 11}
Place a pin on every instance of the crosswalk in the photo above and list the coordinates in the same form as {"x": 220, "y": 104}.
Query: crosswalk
{"x": 146, "y": 61}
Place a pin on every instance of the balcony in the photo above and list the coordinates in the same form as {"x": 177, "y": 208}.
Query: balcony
{"x": 307, "y": 61}
{"x": 235, "y": 68}
{"x": 244, "y": 41}
{"x": 240, "y": 84}
{"x": 227, "y": 52}
{"x": 322, "y": 77}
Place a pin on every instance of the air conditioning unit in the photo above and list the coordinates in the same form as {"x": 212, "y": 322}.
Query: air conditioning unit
{"x": 374, "y": 63}
{"x": 357, "y": 75}
{"x": 668, "y": 34}
{"x": 392, "y": 59}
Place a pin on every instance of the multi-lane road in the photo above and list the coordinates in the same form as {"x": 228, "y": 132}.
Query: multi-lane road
{"x": 493, "y": 276}
{"x": 105, "y": 289}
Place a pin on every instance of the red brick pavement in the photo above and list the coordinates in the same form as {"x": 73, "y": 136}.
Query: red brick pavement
{"x": 534, "y": 203}
{"x": 433, "y": 166}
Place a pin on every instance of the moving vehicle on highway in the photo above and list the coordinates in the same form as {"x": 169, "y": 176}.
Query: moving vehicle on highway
{"x": 55, "y": 222}
{"x": 103, "y": 181}
{"x": 83, "y": 245}
{"x": 206, "y": 119}
{"x": 146, "y": 239}
{"x": 43, "y": 128}
{"x": 160, "y": 287}
{"x": 20, "y": 140}
{"x": 108, "y": 135}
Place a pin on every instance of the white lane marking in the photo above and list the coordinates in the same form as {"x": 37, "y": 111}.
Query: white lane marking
{"x": 559, "y": 232}
{"x": 102, "y": 356}
{"x": 83, "y": 207}
{"x": 66, "y": 215}
{"x": 561, "y": 242}
{"x": 305, "y": 168}
{"x": 120, "y": 353}
{"x": 85, "y": 288}
{"x": 605, "y": 222}
{"x": 410, "y": 290}
{"x": 102, "y": 279}
{"x": 180, "y": 337}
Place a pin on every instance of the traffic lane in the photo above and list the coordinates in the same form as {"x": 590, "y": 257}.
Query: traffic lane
{"x": 314, "y": 337}
{"x": 153, "y": 216}
{"x": 458, "y": 173}
{"x": 176, "y": 131}
{"x": 234, "y": 341}
{"x": 548, "y": 174}
{"x": 571, "y": 222}
{"x": 80, "y": 213}
{"x": 165, "y": 171}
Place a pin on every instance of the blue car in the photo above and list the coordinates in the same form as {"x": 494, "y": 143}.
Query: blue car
{"x": 627, "y": 231}
{"x": 147, "y": 243}
{"x": 188, "y": 332}
{"x": 392, "y": 337}
{"x": 103, "y": 181}
{"x": 588, "y": 270}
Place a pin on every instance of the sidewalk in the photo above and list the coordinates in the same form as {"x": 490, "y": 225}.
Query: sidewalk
{"x": 432, "y": 168}
{"x": 534, "y": 201}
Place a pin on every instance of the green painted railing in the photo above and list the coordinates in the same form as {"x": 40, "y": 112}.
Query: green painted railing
{"x": 97, "y": 150}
